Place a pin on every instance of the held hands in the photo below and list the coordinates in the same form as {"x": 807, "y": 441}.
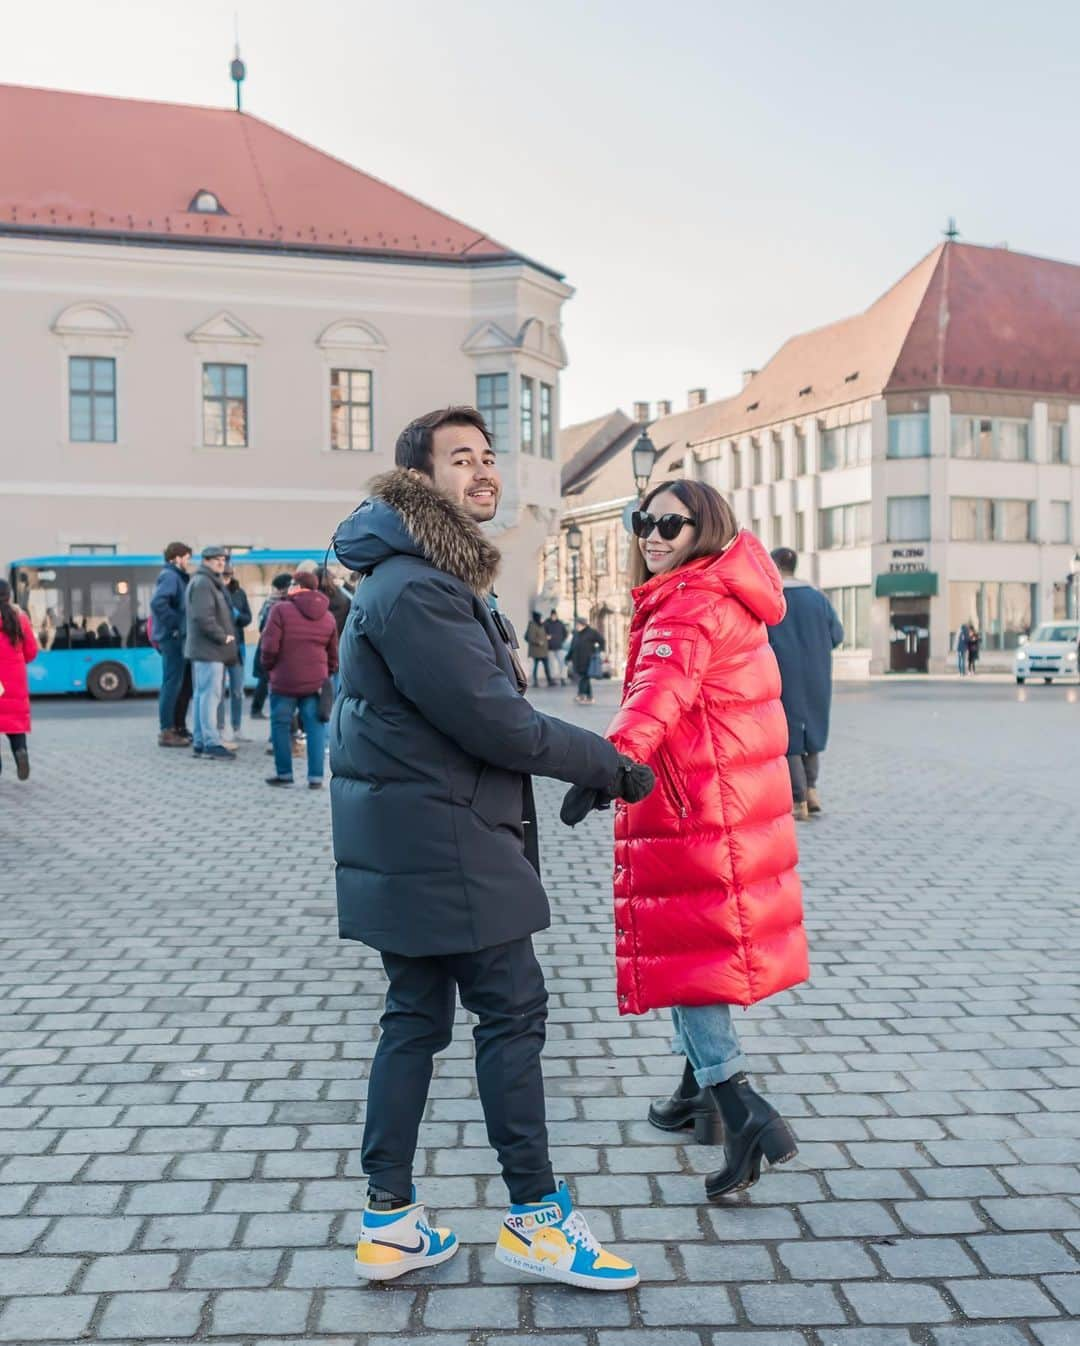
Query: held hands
{"x": 633, "y": 783}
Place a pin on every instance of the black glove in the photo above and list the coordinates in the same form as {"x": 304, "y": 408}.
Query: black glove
{"x": 634, "y": 782}
{"x": 579, "y": 803}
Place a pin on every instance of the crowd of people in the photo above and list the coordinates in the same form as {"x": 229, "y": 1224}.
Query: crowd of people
{"x": 199, "y": 624}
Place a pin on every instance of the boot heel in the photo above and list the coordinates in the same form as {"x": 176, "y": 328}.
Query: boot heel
{"x": 777, "y": 1142}
{"x": 708, "y": 1128}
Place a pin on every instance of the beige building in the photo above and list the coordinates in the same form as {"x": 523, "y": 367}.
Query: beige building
{"x": 214, "y": 332}
{"x": 923, "y": 458}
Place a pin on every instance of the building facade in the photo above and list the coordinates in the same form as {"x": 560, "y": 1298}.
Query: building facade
{"x": 923, "y": 458}
{"x": 213, "y": 332}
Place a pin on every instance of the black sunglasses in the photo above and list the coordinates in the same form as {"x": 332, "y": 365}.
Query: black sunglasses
{"x": 669, "y": 526}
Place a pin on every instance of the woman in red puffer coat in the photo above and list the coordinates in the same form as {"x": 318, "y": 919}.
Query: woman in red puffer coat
{"x": 708, "y": 907}
{"x": 18, "y": 648}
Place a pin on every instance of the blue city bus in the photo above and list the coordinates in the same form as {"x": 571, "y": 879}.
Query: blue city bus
{"x": 89, "y": 614}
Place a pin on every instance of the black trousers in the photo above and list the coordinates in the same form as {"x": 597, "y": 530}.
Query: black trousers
{"x": 504, "y": 987}
{"x": 803, "y": 768}
{"x": 18, "y": 744}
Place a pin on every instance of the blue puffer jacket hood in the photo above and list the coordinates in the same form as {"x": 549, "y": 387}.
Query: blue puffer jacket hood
{"x": 406, "y": 516}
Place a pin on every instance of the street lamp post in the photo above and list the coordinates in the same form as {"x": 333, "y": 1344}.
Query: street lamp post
{"x": 645, "y": 454}
{"x": 1073, "y": 587}
{"x": 573, "y": 546}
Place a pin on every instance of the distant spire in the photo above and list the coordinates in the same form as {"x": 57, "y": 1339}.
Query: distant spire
{"x": 237, "y": 69}
{"x": 951, "y": 233}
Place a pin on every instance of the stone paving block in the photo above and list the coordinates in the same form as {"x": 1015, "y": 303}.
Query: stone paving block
{"x": 247, "y": 1312}
{"x": 366, "y": 1309}
{"x": 672, "y": 1306}
{"x": 556, "y": 1306}
{"x": 880, "y": 1302}
{"x": 791, "y": 1305}
{"x": 732, "y": 1263}
{"x": 29, "y": 1276}
{"x": 245, "y": 1268}
{"x": 1052, "y": 1334}
{"x": 929, "y": 1258}
{"x": 46, "y": 1318}
{"x": 191, "y": 1231}
{"x": 997, "y": 1334}
{"x": 287, "y": 1230}
{"x": 940, "y": 1217}
{"x": 89, "y": 1234}
{"x": 752, "y": 1223}
{"x": 822, "y": 1260}
{"x": 1032, "y": 1213}
{"x": 1065, "y": 1289}
{"x": 138, "y": 1271}
{"x": 472, "y": 1307}
{"x": 1001, "y": 1298}
{"x": 847, "y": 1219}
{"x": 147, "y": 1315}
{"x": 1022, "y": 1254}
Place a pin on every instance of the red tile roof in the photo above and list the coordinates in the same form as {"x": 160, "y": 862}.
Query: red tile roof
{"x": 94, "y": 166}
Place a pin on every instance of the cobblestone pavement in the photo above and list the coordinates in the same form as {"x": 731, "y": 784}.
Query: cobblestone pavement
{"x": 184, "y": 1045}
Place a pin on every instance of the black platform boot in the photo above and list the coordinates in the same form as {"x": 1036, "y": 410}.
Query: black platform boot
{"x": 689, "y": 1108}
{"x": 753, "y": 1130}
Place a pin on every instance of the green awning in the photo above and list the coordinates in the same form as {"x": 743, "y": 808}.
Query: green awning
{"x": 907, "y": 584}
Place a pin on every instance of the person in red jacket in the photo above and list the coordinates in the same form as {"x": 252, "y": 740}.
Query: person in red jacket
{"x": 18, "y": 647}
{"x": 299, "y": 650}
{"x": 708, "y": 907}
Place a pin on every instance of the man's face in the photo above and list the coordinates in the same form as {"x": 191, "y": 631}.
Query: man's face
{"x": 463, "y": 469}
{"x": 216, "y": 564}
{"x": 183, "y": 562}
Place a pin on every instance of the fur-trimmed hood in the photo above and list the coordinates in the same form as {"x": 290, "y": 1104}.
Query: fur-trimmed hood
{"x": 406, "y": 515}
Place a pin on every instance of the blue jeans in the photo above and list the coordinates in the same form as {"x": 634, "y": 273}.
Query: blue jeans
{"x": 281, "y": 713}
{"x": 172, "y": 678}
{"x": 209, "y": 683}
{"x": 706, "y": 1036}
{"x": 234, "y": 688}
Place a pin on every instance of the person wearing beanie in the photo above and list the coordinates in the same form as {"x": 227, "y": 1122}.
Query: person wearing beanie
{"x": 299, "y": 653}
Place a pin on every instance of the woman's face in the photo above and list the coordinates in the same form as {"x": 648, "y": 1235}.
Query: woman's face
{"x": 661, "y": 555}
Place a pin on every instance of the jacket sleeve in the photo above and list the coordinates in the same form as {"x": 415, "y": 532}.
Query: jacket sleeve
{"x": 202, "y": 612}
{"x": 243, "y": 607}
{"x": 441, "y": 659}
{"x": 332, "y": 661}
{"x": 675, "y": 653}
{"x": 270, "y": 640}
{"x": 164, "y": 603}
{"x": 836, "y": 627}
{"x": 29, "y": 640}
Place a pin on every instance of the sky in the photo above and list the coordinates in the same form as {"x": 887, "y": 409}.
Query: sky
{"x": 711, "y": 178}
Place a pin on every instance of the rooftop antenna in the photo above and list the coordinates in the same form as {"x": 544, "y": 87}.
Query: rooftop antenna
{"x": 237, "y": 69}
{"x": 951, "y": 233}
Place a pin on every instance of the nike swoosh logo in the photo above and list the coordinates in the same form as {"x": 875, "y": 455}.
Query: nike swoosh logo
{"x": 401, "y": 1247}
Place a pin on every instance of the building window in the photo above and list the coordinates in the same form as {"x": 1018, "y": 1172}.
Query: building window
{"x": 800, "y": 531}
{"x": 527, "y": 392}
{"x": 225, "y": 406}
{"x": 845, "y": 446}
{"x": 991, "y": 520}
{"x": 800, "y": 452}
{"x": 736, "y": 469}
{"x": 1060, "y": 522}
{"x": 755, "y": 462}
{"x": 92, "y": 549}
{"x": 350, "y": 409}
{"x": 1059, "y": 442}
{"x": 622, "y": 553}
{"x": 601, "y": 559}
{"x": 909, "y": 435}
{"x": 1004, "y": 440}
{"x": 547, "y": 407}
{"x": 909, "y": 518}
{"x": 777, "y": 531}
{"x": 777, "y": 458}
{"x": 755, "y": 528}
{"x": 1001, "y": 613}
{"x": 91, "y": 400}
{"x": 844, "y": 526}
{"x": 493, "y": 403}
{"x": 852, "y": 606}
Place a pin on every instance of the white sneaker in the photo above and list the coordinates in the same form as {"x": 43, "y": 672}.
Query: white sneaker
{"x": 396, "y": 1241}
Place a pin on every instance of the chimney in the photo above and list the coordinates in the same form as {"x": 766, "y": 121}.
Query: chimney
{"x": 695, "y": 397}
{"x": 747, "y": 375}
{"x": 663, "y": 409}
{"x": 641, "y": 412}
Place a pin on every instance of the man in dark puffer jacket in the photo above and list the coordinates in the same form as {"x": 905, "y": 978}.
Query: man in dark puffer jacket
{"x": 432, "y": 748}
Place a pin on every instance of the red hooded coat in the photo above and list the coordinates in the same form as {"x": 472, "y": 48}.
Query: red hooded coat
{"x": 15, "y": 701}
{"x": 708, "y": 907}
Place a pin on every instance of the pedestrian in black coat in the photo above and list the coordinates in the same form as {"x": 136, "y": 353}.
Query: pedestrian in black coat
{"x": 432, "y": 746}
{"x": 803, "y": 643}
{"x": 584, "y": 647}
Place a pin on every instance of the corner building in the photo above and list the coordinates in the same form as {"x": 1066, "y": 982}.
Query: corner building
{"x": 214, "y": 332}
{"x": 923, "y": 458}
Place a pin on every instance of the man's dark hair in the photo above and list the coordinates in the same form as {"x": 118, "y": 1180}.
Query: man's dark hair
{"x": 175, "y": 550}
{"x": 414, "y": 444}
{"x": 785, "y": 560}
{"x": 281, "y": 582}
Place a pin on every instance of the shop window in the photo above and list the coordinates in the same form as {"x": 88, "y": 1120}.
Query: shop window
{"x": 1001, "y": 613}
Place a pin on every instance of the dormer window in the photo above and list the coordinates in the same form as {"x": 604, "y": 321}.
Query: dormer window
{"x": 206, "y": 203}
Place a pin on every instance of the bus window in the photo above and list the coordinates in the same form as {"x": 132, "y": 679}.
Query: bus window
{"x": 40, "y": 594}
{"x": 102, "y": 609}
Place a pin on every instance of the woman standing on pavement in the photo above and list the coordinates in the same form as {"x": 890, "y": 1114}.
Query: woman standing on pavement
{"x": 708, "y": 907}
{"x": 18, "y": 647}
{"x": 974, "y": 640}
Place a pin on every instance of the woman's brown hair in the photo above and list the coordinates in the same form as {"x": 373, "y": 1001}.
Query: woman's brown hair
{"x": 716, "y": 523}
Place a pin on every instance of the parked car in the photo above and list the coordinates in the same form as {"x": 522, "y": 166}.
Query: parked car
{"x": 1050, "y": 652}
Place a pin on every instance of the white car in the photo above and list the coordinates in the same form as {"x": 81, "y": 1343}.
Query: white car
{"x": 1049, "y": 653}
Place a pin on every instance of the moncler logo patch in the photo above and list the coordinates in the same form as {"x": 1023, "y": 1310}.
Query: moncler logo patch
{"x": 664, "y": 651}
